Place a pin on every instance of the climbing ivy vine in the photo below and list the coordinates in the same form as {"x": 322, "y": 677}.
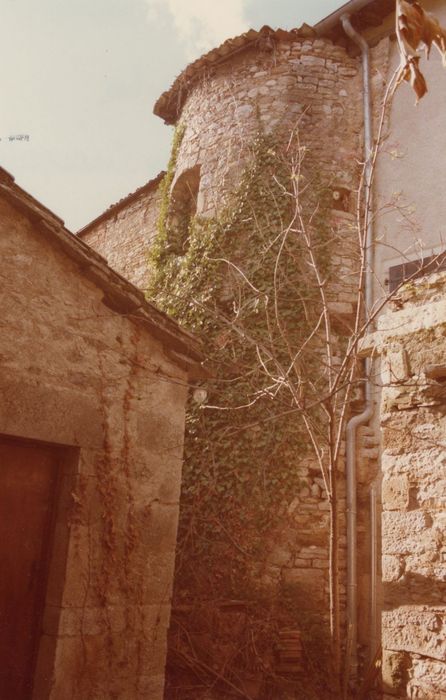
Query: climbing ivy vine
{"x": 243, "y": 449}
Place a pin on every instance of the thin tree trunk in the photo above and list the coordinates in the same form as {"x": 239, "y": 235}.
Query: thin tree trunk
{"x": 334, "y": 584}
{"x": 334, "y": 560}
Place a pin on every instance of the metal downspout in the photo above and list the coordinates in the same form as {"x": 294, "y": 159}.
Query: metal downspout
{"x": 374, "y": 515}
{"x": 365, "y": 416}
{"x": 349, "y": 8}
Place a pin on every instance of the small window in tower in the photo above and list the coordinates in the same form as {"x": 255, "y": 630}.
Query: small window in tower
{"x": 341, "y": 199}
{"x": 183, "y": 207}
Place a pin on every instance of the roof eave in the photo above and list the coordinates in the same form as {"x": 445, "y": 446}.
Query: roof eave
{"x": 119, "y": 294}
{"x": 169, "y": 105}
{"x": 113, "y": 209}
{"x": 367, "y": 16}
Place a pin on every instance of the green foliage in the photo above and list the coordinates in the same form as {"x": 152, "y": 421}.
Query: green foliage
{"x": 242, "y": 461}
{"x": 160, "y": 245}
{"x": 241, "y": 464}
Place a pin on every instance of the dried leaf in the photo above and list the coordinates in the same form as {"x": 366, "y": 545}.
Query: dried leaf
{"x": 417, "y": 29}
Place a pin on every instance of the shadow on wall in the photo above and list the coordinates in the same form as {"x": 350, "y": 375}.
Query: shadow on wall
{"x": 414, "y": 589}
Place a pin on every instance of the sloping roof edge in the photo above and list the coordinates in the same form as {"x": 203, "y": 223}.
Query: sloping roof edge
{"x": 119, "y": 294}
{"x": 365, "y": 14}
{"x": 169, "y": 105}
{"x": 333, "y": 18}
{"x": 113, "y": 209}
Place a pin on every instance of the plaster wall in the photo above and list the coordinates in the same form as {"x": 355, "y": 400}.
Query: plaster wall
{"x": 78, "y": 375}
{"x": 410, "y": 176}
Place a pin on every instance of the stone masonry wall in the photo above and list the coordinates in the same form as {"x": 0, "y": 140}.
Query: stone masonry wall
{"x": 411, "y": 340}
{"x": 297, "y": 552}
{"x": 123, "y": 236}
{"x": 315, "y": 87}
{"x": 75, "y": 373}
{"x": 311, "y": 84}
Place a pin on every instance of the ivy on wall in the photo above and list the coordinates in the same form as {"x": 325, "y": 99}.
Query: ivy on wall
{"x": 235, "y": 280}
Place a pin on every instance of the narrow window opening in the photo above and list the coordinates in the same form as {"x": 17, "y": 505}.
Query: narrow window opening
{"x": 183, "y": 207}
{"x": 341, "y": 199}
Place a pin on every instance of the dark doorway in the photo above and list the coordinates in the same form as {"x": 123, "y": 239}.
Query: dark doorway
{"x": 28, "y": 483}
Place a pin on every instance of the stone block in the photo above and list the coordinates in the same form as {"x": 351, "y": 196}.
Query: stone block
{"x": 243, "y": 111}
{"x": 279, "y": 557}
{"x": 320, "y": 563}
{"x": 392, "y": 568}
{"x": 415, "y": 629}
{"x": 395, "y": 672}
{"x": 396, "y": 365}
{"x": 313, "y": 552}
{"x": 401, "y": 532}
{"x": 313, "y": 60}
{"x": 395, "y": 493}
{"x": 428, "y": 679}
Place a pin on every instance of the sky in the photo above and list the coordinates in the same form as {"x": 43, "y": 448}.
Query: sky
{"x": 80, "y": 78}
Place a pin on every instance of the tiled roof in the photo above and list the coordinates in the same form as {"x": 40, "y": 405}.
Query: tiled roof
{"x": 122, "y": 203}
{"x": 169, "y": 105}
{"x": 118, "y": 293}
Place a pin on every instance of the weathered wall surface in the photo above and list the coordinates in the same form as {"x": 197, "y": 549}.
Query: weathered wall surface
{"x": 122, "y": 236}
{"x": 413, "y": 419}
{"x": 75, "y": 373}
{"x": 311, "y": 84}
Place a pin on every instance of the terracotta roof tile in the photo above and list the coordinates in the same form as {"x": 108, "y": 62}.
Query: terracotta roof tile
{"x": 171, "y": 102}
{"x": 169, "y": 105}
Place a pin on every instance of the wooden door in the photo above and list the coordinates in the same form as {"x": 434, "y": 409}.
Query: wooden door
{"x": 28, "y": 478}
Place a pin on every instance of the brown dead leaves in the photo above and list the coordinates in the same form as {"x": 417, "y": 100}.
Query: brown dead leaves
{"x": 417, "y": 29}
